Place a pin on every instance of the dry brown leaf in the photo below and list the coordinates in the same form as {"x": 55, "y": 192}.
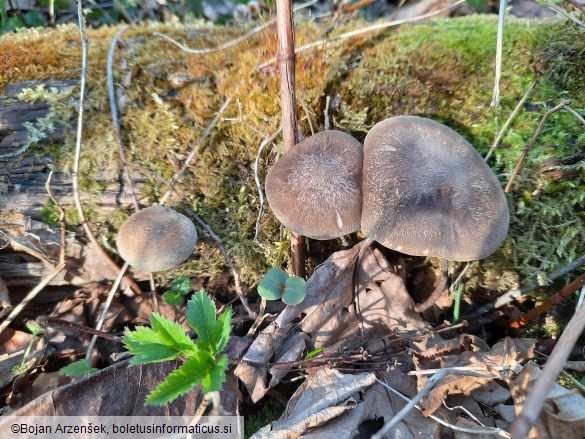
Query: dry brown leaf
{"x": 331, "y": 404}
{"x": 563, "y": 414}
{"x": 336, "y": 311}
{"x": 472, "y": 352}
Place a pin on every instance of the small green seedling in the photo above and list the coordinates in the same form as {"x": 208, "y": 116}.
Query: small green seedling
{"x": 165, "y": 340}
{"x": 78, "y": 368}
{"x": 277, "y": 284}
{"x": 36, "y": 331}
{"x": 180, "y": 287}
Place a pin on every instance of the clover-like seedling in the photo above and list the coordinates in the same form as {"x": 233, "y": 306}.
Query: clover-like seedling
{"x": 180, "y": 288}
{"x": 277, "y": 284}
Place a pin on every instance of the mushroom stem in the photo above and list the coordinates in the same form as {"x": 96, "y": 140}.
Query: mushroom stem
{"x": 440, "y": 287}
{"x": 286, "y": 59}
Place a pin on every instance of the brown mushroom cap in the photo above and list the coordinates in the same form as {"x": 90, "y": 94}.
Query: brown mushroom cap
{"x": 156, "y": 238}
{"x": 428, "y": 192}
{"x": 315, "y": 188}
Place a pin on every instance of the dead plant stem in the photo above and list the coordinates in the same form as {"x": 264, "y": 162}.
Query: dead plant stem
{"x": 102, "y": 319}
{"x": 552, "y": 368}
{"x": 530, "y": 144}
{"x": 115, "y": 118}
{"x": 286, "y": 62}
{"x": 499, "y": 45}
{"x": 62, "y": 224}
{"x": 31, "y": 295}
{"x": 512, "y": 116}
{"x": 228, "y": 260}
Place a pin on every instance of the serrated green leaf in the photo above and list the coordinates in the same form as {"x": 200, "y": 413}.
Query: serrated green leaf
{"x": 216, "y": 376}
{"x": 191, "y": 373}
{"x": 222, "y": 331}
{"x": 181, "y": 285}
{"x": 78, "y": 368}
{"x": 295, "y": 290}
{"x": 201, "y": 317}
{"x": 271, "y": 285}
{"x": 166, "y": 340}
{"x": 173, "y": 298}
{"x": 171, "y": 333}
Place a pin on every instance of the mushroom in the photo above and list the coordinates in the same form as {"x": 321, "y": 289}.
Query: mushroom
{"x": 156, "y": 238}
{"x": 428, "y": 192}
{"x": 315, "y": 188}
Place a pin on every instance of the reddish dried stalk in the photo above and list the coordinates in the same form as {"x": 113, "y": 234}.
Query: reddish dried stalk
{"x": 550, "y": 303}
{"x": 286, "y": 61}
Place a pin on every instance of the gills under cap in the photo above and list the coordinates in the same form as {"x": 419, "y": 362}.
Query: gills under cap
{"x": 315, "y": 188}
{"x": 156, "y": 238}
{"x": 428, "y": 192}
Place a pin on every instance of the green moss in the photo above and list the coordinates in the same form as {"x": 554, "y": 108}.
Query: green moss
{"x": 442, "y": 69}
{"x": 265, "y": 414}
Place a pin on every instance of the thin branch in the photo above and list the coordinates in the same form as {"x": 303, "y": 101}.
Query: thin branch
{"x": 115, "y": 119}
{"x": 489, "y": 430}
{"x": 30, "y": 296}
{"x": 564, "y": 13}
{"x": 499, "y": 44}
{"x": 365, "y": 30}
{"x": 512, "y": 116}
{"x": 265, "y": 142}
{"x": 454, "y": 284}
{"x": 431, "y": 382}
{"x": 233, "y": 42}
{"x": 53, "y": 322}
{"x": 530, "y": 144}
{"x": 512, "y": 295}
{"x": 79, "y": 134}
{"x": 286, "y": 63}
{"x": 228, "y": 260}
{"x": 552, "y": 368}
{"x": 550, "y": 303}
{"x": 195, "y": 149}
{"x": 63, "y": 241}
{"x": 102, "y": 319}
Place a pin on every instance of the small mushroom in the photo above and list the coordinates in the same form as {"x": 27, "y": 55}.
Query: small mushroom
{"x": 315, "y": 188}
{"x": 156, "y": 238}
{"x": 428, "y": 192}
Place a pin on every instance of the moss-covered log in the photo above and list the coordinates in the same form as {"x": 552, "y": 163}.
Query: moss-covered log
{"x": 442, "y": 69}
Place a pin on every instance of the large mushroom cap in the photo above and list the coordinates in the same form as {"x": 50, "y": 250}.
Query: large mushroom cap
{"x": 156, "y": 238}
{"x": 315, "y": 188}
{"x": 427, "y": 192}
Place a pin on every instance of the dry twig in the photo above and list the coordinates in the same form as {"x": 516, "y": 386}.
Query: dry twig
{"x": 553, "y": 367}
{"x": 499, "y": 45}
{"x": 530, "y": 144}
{"x": 228, "y": 260}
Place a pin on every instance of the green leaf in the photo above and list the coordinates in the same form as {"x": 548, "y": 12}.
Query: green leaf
{"x": 173, "y": 298}
{"x": 222, "y": 331}
{"x": 314, "y": 353}
{"x": 201, "y": 317}
{"x": 216, "y": 376}
{"x": 272, "y": 284}
{"x": 181, "y": 285}
{"x": 34, "y": 329}
{"x": 191, "y": 373}
{"x": 34, "y": 19}
{"x": 78, "y": 368}
{"x": 295, "y": 290}
{"x": 165, "y": 341}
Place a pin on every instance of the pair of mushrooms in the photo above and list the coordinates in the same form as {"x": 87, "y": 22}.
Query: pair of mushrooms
{"x": 416, "y": 186}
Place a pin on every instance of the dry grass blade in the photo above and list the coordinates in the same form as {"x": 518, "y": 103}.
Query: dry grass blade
{"x": 499, "y": 45}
